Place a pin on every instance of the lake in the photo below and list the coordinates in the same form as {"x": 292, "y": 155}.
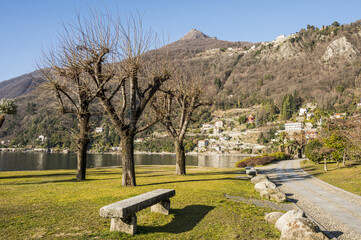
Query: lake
{"x": 20, "y": 161}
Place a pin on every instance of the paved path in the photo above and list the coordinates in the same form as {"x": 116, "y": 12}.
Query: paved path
{"x": 338, "y": 211}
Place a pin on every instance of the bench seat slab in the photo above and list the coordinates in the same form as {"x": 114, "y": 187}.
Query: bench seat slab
{"x": 132, "y": 205}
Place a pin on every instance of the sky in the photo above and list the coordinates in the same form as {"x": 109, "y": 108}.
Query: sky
{"x": 27, "y": 27}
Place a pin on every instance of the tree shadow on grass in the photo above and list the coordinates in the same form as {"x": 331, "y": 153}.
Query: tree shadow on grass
{"x": 55, "y": 181}
{"x": 184, "y": 220}
{"x": 190, "y": 180}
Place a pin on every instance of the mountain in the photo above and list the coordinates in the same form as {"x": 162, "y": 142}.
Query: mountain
{"x": 195, "y": 34}
{"x": 314, "y": 65}
{"x": 21, "y": 85}
{"x": 195, "y": 42}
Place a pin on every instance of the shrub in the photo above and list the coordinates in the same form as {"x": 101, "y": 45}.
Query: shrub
{"x": 280, "y": 155}
{"x": 311, "y": 150}
{"x": 264, "y": 159}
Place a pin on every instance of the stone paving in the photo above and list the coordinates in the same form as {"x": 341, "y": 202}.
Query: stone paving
{"x": 338, "y": 211}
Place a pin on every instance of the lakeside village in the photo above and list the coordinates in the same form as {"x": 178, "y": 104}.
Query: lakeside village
{"x": 234, "y": 131}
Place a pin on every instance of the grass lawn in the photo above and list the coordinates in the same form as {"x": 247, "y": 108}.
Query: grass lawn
{"x": 347, "y": 178}
{"x": 52, "y": 205}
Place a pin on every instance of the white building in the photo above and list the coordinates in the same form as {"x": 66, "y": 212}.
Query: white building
{"x": 207, "y": 126}
{"x": 99, "y": 129}
{"x": 42, "y": 138}
{"x": 219, "y": 124}
{"x": 217, "y": 131}
{"x": 294, "y": 126}
{"x": 303, "y": 111}
{"x": 309, "y": 116}
{"x": 202, "y": 143}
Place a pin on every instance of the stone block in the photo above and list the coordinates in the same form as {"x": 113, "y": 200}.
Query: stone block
{"x": 161, "y": 207}
{"x": 127, "y": 224}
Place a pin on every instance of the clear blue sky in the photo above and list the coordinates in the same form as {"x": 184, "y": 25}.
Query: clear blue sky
{"x": 28, "y": 26}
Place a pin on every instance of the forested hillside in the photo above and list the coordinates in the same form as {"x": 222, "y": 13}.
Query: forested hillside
{"x": 312, "y": 65}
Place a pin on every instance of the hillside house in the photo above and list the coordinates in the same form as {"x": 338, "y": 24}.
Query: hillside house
{"x": 359, "y": 105}
{"x": 224, "y": 138}
{"x": 338, "y": 115}
{"x": 139, "y": 140}
{"x": 219, "y": 124}
{"x": 202, "y": 143}
{"x": 311, "y": 135}
{"x": 5, "y": 142}
{"x": 207, "y": 126}
{"x": 294, "y": 126}
{"x": 302, "y": 112}
{"x": 99, "y": 129}
{"x": 250, "y": 119}
{"x": 42, "y": 138}
{"x": 217, "y": 131}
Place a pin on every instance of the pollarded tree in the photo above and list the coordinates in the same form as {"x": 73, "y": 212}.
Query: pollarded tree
{"x": 175, "y": 105}
{"x": 125, "y": 92}
{"x": 68, "y": 79}
{"x": 6, "y": 107}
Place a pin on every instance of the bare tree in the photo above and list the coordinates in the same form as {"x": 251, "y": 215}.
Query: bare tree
{"x": 66, "y": 70}
{"x": 175, "y": 105}
{"x": 6, "y": 107}
{"x": 124, "y": 91}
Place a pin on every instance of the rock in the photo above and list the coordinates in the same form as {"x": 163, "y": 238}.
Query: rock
{"x": 273, "y": 217}
{"x": 279, "y": 197}
{"x": 259, "y": 178}
{"x": 264, "y": 185}
{"x": 288, "y": 217}
{"x": 273, "y": 194}
{"x": 316, "y": 236}
{"x": 340, "y": 47}
{"x": 298, "y": 229}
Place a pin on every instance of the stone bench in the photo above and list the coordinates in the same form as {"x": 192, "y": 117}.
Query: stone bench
{"x": 122, "y": 213}
{"x": 251, "y": 171}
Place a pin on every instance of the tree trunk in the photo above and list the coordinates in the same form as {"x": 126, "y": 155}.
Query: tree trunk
{"x": 344, "y": 159}
{"x": 325, "y": 164}
{"x": 2, "y": 119}
{"x": 127, "y": 145}
{"x": 299, "y": 153}
{"x": 180, "y": 168}
{"x": 82, "y": 145}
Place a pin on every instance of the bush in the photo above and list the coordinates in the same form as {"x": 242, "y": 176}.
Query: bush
{"x": 311, "y": 150}
{"x": 264, "y": 159}
{"x": 280, "y": 155}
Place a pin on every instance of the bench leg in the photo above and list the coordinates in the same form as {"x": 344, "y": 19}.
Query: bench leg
{"x": 127, "y": 225}
{"x": 161, "y": 207}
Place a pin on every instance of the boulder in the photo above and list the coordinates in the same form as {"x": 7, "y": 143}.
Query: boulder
{"x": 259, "y": 178}
{"x": 298, "y": 228}
{"x": 288, "y": 217}
{"x": 273, "y": 217}
{"x": 264, "y": 185}
{"x": 273, "y": 194}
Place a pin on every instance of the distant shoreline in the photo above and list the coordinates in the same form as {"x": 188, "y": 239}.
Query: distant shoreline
{"x": 135, "y": 152}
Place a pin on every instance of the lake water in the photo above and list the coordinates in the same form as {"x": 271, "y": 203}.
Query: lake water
{"x": 20, "y": 161}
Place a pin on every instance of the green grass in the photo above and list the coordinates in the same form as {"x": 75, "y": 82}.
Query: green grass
{"x": 52, "y": 205}
{"x": 347, "y": 178}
